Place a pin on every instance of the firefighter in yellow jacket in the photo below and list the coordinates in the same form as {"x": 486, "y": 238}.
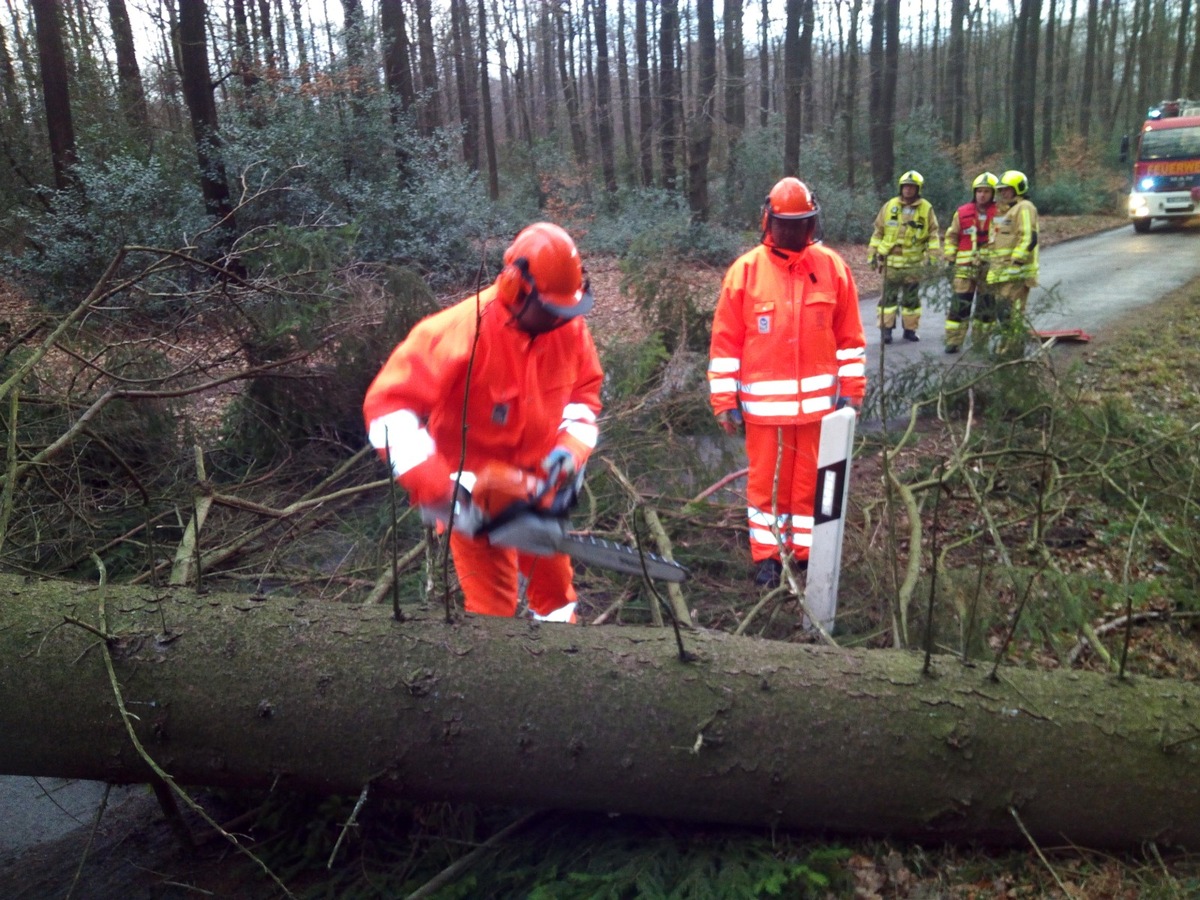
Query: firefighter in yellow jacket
{"x": 903, "y": 246}
{"x": 787, "y": 349}
{"x": 508, "y": 377}
{"x": 966, "y": 249}
{"x": 1012, "y": 256}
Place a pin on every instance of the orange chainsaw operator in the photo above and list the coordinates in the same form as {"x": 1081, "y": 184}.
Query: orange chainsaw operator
{"x": 517, "y": 362}
{"x": 787, "y": 349}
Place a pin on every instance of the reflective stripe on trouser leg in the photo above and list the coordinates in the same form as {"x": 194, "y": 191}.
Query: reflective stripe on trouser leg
{"x": 488, "y": 577}
{"x": 797, "y": 485}
{"x": 958, "y": 318}
{"x": 910, "y": 306}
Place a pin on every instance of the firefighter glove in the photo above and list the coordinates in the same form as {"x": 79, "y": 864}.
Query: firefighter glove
{"x": 560, "y": 464}
{"x": 731, "y": 421}
{"x": 843, "y": 402}
{"x": 468, "y": 518}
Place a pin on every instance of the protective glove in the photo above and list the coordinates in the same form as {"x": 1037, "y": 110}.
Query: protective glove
{"x": 731, "y": 421}
{"x": 843, "y": 402}
{"x": 560, "y": 464}
{"x": 468, "y": 518}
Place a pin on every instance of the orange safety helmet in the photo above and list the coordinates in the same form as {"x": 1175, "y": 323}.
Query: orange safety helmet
{"x": 791, "y": 200}
{"x": 542, "y": 265}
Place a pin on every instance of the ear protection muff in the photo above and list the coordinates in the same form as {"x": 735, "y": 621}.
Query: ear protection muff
{"x": 515, "y": 282}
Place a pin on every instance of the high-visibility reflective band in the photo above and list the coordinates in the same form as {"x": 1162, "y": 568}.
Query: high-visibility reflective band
{"x": 816, "y": 404}
{"x": 763, "y": 536}
{"x": 852, "y": 370}
{"x": 761, "y": 517}
{"x": 816, "y": 383}
{"x": 852, "y": 353}
{"x": 889, "y": 309}
{"x": 785, "y": 386}
{"x": 401, "y": 434}
{"x": 951, "y": 325}
{"x": 722, "y": 385}
{"x": 771, "y": 407}
{"x": 562, "y": 614}
{"x": 723, "y": 365}
{"x": 802, "y": 539}
{"x": 578, "y": 412}
{"x": 585, "y": 434}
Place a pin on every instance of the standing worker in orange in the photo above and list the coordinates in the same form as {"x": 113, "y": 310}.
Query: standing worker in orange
{"x": 966, "y": 250}
{"x": 787, "y": 349}
{"x": 511, "y": 376}
{"x": 1013, "y": 257}
{"x": 903, "y": 246}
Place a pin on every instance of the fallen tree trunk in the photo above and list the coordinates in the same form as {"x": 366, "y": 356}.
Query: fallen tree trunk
{"x": 233, "y": 691}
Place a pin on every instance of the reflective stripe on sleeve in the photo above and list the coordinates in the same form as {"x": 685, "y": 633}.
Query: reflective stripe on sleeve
{"x": 853, "y": 370}
{"x": 723, "y": 365}
{"x": 722, "y": 385}
{"x": 401, "y": 435}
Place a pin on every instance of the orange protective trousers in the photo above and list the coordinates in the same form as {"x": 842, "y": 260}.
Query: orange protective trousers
{"x": 790, "y": 505}
{"x": 488, "y": 577}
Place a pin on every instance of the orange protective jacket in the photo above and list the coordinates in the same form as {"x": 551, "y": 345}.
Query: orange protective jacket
{"x": 527, "y": 395}
{"x": 787, "y": 338}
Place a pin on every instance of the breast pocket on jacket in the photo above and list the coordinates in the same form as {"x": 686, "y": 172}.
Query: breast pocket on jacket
{"x": 762, "y": 317}
{"x": 818, "y": 311}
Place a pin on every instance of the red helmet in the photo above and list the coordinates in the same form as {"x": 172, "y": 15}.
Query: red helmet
{"x": 790, "y": 200}
{"x": 543, "y": 265}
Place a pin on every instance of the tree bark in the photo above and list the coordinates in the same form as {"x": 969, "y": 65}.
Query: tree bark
{"x": 604, "y": 122}
{"x": 792, "y": 97}
{"x": 485, "y": 105}
{"x": 701, "y": 125}
{"x": 236, "y": 691}
{"x": 202, "y": 109}
{"x": 645, "y": 108}
{"x": 55, "y": 94}
{"x": 129, "y": 76}
{"x": 668, "y": 87}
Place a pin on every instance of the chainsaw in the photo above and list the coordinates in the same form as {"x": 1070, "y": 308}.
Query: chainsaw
{"x": 516, "y": 509}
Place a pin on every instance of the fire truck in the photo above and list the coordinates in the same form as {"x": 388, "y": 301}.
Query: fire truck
{"x": 1166, "y": 165}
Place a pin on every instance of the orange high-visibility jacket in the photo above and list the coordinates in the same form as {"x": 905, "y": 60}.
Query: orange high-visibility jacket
{"x": 787, "y": 338}
{"x": 526, "y": 396}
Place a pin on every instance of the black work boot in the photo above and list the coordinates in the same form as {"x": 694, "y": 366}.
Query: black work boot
{"x": 951, "y": 348}
{"x": 910, "y": 335}
{"x": 885, "y": 335}
{"x": 768, "y": 572}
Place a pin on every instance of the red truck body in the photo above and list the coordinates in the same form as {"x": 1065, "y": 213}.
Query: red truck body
{"x": 1166, "y": 165}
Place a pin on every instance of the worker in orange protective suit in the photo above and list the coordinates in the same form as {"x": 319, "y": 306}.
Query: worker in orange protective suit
{"x": 519, "y": 358}
{"x": 787, "y": 348}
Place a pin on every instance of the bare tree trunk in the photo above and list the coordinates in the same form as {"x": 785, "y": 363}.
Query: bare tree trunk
{"x": 793, "y": 112}
{"x": 485, "y": 103}
{"x": 464, "y": 76}
{"x": 850, "y": 104}
{"x": 884, "y": 63}
{"x": 668, "y": 87}
{"x": 202, "y": 109}
{"x": 1047, "y": 93}
{"x": 429, "y": 118}
{"x": 129, "y": 76}
{"x": 1089, "y": 68}
{"x": 604, "y": 127}
{"x": 734, "y": 93}
{"x": 764, "y": 64}
{"x": 957, "y": 70}
{"x": 700, "y": 132}
{"x": 645, "y": 100}
{"x": 229, "y": 690}
{"x": 1193, "y": 78}
{"x": 56, "y": 96}
{"x": 625, "y": 91}
{"x": 301, "y": 46}
{"x": 1181, "y": 37}
{"x": 565, "y": 33}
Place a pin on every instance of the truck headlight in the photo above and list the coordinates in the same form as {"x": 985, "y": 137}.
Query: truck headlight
{"x": 1138, "y": 206}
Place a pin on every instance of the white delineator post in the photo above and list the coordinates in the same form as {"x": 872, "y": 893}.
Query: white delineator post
{"x": 829, "y": 517}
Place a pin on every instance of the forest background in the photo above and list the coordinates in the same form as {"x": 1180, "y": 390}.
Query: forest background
{"x": 219, "y": 217}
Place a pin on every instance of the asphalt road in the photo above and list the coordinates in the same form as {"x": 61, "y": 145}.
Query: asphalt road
{"x": 1086, "y": 283}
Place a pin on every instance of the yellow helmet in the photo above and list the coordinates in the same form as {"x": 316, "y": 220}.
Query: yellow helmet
{"x": 912, "y": 176}
{"x": 1015, "y": 180}
{"x": 986, "y": 180}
